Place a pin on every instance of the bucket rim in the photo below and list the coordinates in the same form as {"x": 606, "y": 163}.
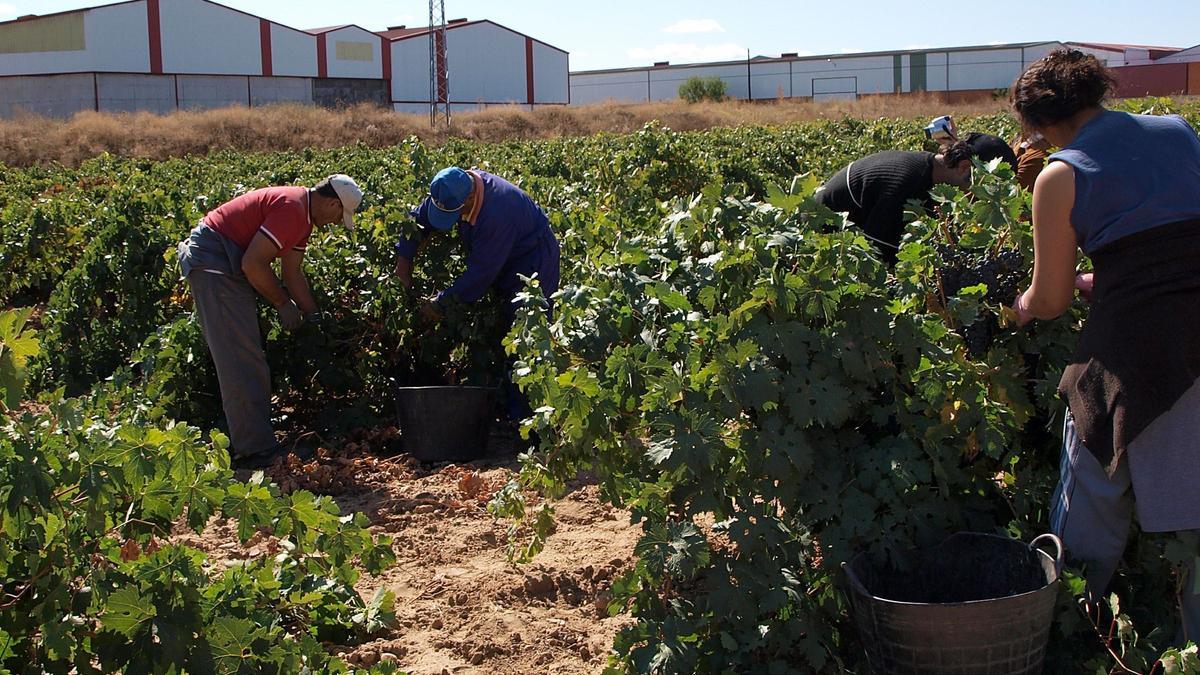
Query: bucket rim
{"x": 463, "y": 387}
{"x": 860, "y": 589}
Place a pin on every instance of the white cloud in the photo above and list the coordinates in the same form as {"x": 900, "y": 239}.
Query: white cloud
{"x": 686, "y": 52}
{"x": 7, "y": 11}
{"x": 694, "y": 26}
{"x": 850, "y": 50}
{"x": 921, "y": 46}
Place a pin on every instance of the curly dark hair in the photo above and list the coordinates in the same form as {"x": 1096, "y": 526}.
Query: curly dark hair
{"x": 1059, "y": 85}
{"x": 956, "y": 152}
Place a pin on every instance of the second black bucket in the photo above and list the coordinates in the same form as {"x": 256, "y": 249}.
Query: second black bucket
{"x": 445, "y": 424}
{"x": 977, "y": 604}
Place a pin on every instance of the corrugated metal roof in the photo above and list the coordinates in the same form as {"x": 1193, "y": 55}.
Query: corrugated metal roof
{"x": 817, "y": 57}
{"x": 1116, "y": 47}
{"x": 328, "y": 29}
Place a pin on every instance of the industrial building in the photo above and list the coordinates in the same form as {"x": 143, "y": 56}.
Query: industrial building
{"x": 958, "y": 73}
{"x": 164, "y": 55}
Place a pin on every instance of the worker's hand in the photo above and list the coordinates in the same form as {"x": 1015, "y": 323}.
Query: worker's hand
{"x": 317, "y": 318}
{"x": 1084, "y": 283}
{"x": 289, "y": 315}
{"x": 404, "y": 272}
{"x": 1024, "y": 316}
{"x": 431, "y": 312}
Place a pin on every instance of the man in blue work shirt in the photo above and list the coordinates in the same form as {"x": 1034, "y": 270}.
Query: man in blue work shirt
{"x": 506, "y": 235}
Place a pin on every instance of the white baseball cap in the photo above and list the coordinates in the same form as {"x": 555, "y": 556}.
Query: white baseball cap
{"x": 349, "y": 194}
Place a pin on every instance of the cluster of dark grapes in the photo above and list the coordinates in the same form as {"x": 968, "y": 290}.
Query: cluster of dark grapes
{"x": 1002, "y": 273}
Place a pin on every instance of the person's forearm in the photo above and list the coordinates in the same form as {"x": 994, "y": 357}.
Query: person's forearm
{"x": 1042, "y": 307}
{"x": 297, "y": 286}
{"x": 263, "y": 279}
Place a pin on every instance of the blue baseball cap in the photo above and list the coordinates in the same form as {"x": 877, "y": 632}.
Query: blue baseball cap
{"x": 447, "y": 193}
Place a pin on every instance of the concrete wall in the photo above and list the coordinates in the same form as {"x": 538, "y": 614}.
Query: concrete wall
{"x": 486, "y": 64}
{"x": 550, "y": 75}
{"x": 206, "y": 92}
{"x": 268, "y": 90}
{"x": 340, "y": 92}
{"x": 293, "y": 52}
{"x": 127, "y": 93}
{"x": 203, "y": 38}
{"x": 113, "y": 39}
{"x": 65, "y": 95}
{"x": 353, "y": 52}
{"x": 50, "y": 95}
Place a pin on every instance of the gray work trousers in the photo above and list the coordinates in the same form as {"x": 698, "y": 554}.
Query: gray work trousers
{"x": 228, "y": 311}
{"x": 1092, "y": 514}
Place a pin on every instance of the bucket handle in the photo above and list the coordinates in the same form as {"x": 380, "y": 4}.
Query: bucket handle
{"x": 858, "y": 585}
{"x": 1058, "y": 549}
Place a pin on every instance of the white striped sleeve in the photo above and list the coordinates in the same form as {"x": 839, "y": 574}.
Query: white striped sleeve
{"x": 271, "y": 236}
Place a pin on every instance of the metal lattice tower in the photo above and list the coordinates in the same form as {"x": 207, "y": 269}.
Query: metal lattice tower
{"x": 439, "y": 75}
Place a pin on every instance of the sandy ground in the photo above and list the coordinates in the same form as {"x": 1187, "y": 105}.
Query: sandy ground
{"x": 460, "y": 606}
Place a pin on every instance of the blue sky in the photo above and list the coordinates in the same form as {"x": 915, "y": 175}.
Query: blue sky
{"x": 617, "y": 33}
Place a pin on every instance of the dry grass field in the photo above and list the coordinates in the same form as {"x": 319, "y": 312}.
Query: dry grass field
{"x": 31, "y": 140}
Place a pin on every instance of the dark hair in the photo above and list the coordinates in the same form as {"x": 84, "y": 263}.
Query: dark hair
{"x": 325, "y": 189}
{"x": 987, "y": 147}
{"x": 1059, "y": 85}
{"x": 956, "y": 152}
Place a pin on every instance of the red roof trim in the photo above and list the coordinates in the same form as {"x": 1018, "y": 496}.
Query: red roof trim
{"x": 1116, "y": 47}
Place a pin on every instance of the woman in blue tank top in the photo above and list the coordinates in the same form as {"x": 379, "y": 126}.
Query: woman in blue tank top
{"x": 1124, "y": 189}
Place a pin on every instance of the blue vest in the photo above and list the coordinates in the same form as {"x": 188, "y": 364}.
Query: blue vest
{"x": 1132, "y": 173}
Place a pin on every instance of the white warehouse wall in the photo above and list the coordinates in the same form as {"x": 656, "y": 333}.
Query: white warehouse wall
{"x": 1036, "y": 52}
{"x": 486, "y": 64}
{"x": 935, "y": 71}
{"x": 770, "y": 80}
{"x": 991, "y": 69}
{"x": 550, "y": 76}
{"x": 293, "y": 52}
{"x": 360, "y": 50}
{"x": 199, "y": 37}
{"x": 619, "y": 86}
{"x": 664, "y": 82}
{"x": 410, "y": 70}
{"x": 840, "y": 76}
{"x": 100, "y": 52}
{"x": 1186, "y": 56}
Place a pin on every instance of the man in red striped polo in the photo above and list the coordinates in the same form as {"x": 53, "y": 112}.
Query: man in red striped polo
{"x": 227, "y": 261}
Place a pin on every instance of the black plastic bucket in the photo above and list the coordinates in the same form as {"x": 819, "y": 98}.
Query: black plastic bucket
{"x": 445, "y": 424}
{"x": 974, "y": 604}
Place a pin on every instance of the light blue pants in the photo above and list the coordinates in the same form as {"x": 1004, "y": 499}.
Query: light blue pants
{"x": 1091, "y": 512}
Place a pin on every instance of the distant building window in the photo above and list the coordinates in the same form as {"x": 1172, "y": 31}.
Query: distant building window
{"x": 62, "y": 33}
{"x": 355, "y": 51}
